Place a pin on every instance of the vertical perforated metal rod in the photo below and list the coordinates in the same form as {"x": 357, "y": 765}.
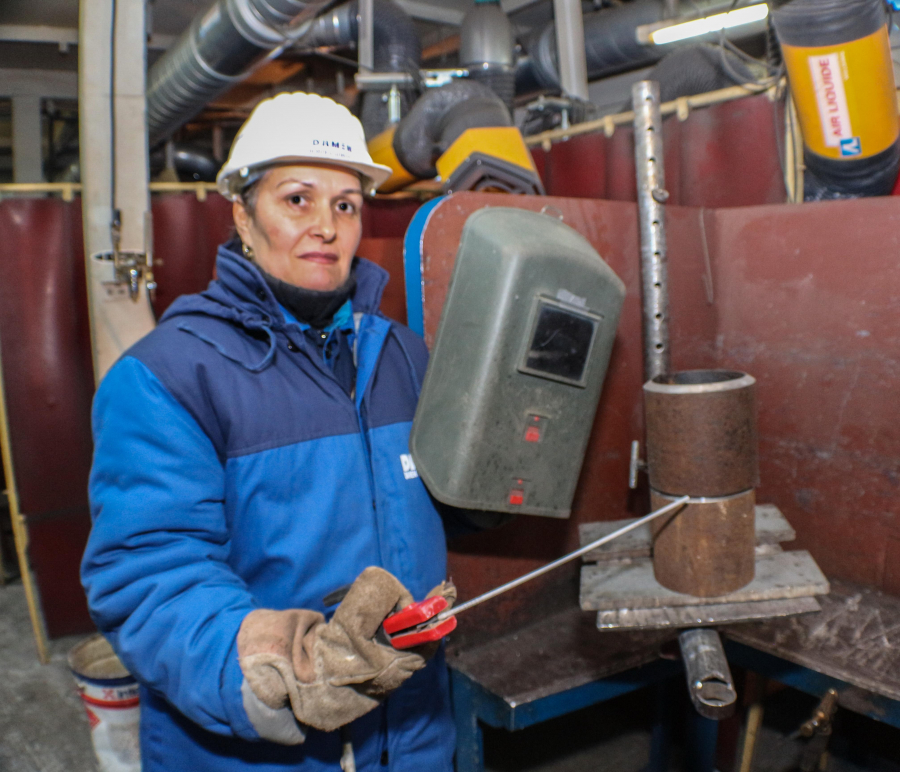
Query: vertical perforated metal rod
{"x": 651, "y": 195}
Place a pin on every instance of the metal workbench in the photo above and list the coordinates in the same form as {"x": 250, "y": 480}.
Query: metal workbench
{"x": 558, "y": 665}
{"x": 563, "y": 663}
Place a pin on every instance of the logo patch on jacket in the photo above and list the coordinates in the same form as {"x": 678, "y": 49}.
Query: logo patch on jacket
{"x": 409, "y": 466}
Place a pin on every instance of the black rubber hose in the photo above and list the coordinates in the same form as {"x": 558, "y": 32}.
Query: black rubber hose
{"x": 438, "y": 119}
{"x": 499, "y": 80}
{"x": 826, "y": 178}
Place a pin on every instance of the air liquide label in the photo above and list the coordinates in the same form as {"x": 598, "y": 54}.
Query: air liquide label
{"x": 845, "y": 96}
{"x": 828, "y": 82}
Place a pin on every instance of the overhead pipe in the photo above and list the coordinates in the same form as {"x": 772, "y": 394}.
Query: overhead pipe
{"x": 395, "y": 48}
{"x": 487, "y": 49}
{"x": 609, "y": 42}
{"x": 218, "y": 50}
{"x": 570, "y": 48}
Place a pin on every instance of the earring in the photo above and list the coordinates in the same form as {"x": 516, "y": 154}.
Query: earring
{"x": 248, "y": 251}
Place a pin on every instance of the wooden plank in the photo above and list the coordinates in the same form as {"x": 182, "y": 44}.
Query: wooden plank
{"x": 702, "y": 616}
{"x": 630, "y": 583}
{"x": 771, "y": 528}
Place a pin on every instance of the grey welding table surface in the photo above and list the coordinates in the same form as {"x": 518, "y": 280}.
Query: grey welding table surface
{"x": 557, "y": 665}
{"x": 564, "y": 663}
{"x": 557, "y": 653}
{"x": 854, "y": 640}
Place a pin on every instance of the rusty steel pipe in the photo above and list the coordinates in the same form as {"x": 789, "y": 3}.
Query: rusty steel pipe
{"x": 708, "y": 548}
{"x": 701, "y": 433}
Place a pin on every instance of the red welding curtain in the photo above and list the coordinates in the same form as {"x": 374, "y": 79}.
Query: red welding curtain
{"x": 47, "y": 370}
{"x": 48, "y": 374}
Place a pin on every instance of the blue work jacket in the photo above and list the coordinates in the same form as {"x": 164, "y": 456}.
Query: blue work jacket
{"x": 232, "y": 472}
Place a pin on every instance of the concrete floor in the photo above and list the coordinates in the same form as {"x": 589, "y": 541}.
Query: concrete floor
{"x": 43, "y": 727}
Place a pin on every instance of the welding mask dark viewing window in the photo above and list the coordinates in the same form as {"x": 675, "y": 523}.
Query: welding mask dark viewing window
{"x": 560, "y": 344}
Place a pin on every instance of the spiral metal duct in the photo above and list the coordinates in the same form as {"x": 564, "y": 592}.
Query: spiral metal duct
{"x": 217, "y": 51}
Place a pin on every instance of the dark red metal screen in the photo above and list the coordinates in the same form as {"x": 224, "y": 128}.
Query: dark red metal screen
{"x": 47, "y": 369}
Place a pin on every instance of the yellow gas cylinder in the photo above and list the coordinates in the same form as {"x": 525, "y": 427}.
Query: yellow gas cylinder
{"x": 838, "y": 59}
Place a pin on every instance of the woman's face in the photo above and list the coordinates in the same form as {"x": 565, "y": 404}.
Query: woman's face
{"x": 306, "y": 224}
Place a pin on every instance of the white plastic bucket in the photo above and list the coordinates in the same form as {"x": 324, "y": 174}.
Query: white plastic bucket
{"x": 110, "y": 697}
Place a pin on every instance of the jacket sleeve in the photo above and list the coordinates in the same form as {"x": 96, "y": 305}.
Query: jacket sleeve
{"x": 156, "y": 569}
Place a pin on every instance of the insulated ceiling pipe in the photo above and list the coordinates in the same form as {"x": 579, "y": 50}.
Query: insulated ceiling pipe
{"x": 610, "y": 46}
{"x": 396, "y": 49}
{"x": 219, "y": 49}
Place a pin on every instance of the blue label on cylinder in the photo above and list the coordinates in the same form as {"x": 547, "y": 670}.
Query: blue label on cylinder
{"x": 851, "y": 145}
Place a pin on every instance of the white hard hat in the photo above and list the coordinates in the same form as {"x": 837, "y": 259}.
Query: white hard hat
{"x": 298, "y": 127}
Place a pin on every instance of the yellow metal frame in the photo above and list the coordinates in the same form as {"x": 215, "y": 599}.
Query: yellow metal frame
{"x": 502, "y": 142}
{"x": 68, "y": 189}
{"x": 20, "y": 532}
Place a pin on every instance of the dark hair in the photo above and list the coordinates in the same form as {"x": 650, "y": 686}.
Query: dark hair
{"x": 249, "y": 195}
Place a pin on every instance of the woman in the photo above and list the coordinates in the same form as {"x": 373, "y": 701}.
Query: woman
{"x": 248, "y": 464}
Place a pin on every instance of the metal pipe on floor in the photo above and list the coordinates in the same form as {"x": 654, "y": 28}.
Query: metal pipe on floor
{"x": 708, "y": 676}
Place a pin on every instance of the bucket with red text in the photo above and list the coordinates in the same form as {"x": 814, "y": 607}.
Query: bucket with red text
{"x": 109, "y": 694}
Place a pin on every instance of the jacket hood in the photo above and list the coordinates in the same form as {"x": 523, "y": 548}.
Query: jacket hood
{"x": 239, "y": 294}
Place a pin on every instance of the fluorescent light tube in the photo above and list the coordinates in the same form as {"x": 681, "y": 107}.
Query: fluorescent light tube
{"x": 719, "y": 21}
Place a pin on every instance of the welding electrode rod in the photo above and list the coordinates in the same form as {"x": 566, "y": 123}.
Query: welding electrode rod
{"x": 564, "y": 559}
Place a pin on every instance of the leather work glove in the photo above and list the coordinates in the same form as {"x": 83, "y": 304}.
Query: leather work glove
{"x": 331, "y": 674}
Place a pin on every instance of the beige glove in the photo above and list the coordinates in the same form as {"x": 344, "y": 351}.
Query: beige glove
{"x": 330, "y": 673}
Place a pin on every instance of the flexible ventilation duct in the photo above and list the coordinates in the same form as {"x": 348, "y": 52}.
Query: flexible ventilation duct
{"x": 440, "y": 117}
{"x": 396, "y": 49}
{"x": 217, "y": 51}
